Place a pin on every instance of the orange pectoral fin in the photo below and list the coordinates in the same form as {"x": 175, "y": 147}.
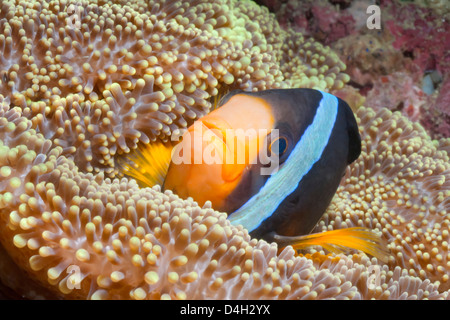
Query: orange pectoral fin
{"x": 148, "y": 164}
{"x": 340, "y": 241}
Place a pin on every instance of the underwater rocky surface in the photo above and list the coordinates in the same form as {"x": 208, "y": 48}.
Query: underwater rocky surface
{"x": 85, "y": 82}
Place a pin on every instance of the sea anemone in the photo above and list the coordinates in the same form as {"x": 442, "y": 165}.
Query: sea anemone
{"x": 129, "y": 242}
{"x": 400, "y": 186}
{"x": 99, "y": 79}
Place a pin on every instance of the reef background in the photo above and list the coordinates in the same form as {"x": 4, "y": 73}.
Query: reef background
{"x": 73, "y": 100}
{"x": 403, "y": 66}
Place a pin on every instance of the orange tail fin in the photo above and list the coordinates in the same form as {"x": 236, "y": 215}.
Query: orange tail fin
{"x": 340, "y": 241}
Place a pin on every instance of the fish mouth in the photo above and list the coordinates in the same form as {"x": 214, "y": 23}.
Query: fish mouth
{"x": 231, "y": 168}
{"x": 220, "y": 129}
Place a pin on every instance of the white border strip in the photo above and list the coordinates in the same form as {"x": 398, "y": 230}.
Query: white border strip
{"x": 281, "y": 184}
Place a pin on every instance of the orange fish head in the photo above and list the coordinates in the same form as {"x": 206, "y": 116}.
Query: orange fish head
{"x": 215, "y": 151}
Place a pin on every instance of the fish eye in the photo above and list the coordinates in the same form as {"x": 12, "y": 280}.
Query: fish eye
{"x": 279, "y": 146}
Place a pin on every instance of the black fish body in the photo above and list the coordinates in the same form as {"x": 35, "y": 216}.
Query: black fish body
{"x": 295, "y": 110}
{"x": 316, "y": 138}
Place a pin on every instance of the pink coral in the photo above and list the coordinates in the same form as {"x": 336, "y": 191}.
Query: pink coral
{"x": 330, "y": 23}
{"x": 436, "y": 117}
{"x": 273, "y": 5}
{"x": 320, "y": 19}
{"x": 367, "y": 57}
{"x": 397, "y": 91}
{"x": 422, "y": 33}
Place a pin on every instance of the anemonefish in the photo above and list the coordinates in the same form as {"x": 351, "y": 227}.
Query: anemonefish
{"x": 272, "y": 160}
